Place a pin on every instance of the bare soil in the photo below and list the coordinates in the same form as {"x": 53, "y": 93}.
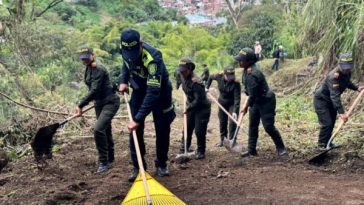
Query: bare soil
{"x": 69, "y": 177}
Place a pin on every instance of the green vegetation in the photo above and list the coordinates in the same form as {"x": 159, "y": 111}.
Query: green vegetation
{"x": 39, "y": 66}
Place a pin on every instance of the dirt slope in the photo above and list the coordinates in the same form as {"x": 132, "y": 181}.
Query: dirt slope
{"x": 266, "y": 179}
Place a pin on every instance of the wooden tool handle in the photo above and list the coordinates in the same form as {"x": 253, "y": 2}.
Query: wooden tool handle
{"x": 241, "y": 116}
{"x": 185, "y": 121}
{"x": 75, "y": 115}
{"x": 139, "y": 156}
{"x": 223, "y": 109}
{"x": 341, "y": 124}
{"x": 83, "y": 111}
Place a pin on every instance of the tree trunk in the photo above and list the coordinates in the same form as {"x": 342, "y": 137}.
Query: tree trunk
{"x": 233, "y": 12}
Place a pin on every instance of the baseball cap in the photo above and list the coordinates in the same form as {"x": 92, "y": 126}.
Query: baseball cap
{"x": 346, "y": 61}
{"x": 85, "y": 52}
{"x": 246, "y": 54}
{"x": 130, "y": 44}
{"x": 185, "y": 64}
{"x": 229, "y": 72}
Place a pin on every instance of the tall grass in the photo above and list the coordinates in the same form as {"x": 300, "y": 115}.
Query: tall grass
{"x": 334, "y": 26}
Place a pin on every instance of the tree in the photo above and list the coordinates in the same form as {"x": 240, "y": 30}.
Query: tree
{"x": 264, "y": 31}
{"x": 20, "y": 46}
{"x": 240, "y": 40}
{"x": 235, "y": 8}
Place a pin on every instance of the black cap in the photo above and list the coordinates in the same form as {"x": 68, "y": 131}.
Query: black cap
{"x": 229, "y": 72}
{"x": 246, "y": 54}
{"x": 130, "y": 44}
{"x": 185, "y": 64}
{"x": 85, "y": 52}
{"x": 346, "y": 61}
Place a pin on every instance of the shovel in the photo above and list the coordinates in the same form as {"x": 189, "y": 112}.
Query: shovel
{"x": 186, "y": 156}
{"x": 231, "y": 145}
{"x": 320, "y": 158}
{"x": 222, "y": 108}
{"x": 42, "y": 142}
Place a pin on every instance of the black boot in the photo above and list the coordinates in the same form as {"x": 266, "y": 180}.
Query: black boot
{"x": 103, "y": 167}
{"x": 281, "y": 151}
{"x": 133, "y": 175}
{"x": 220, "y": 144}
{"x": 322, "y": 146}
{"x": 248, "y": 153}
{"x": 200, "y": 155}
{"x": 162, "y": 171}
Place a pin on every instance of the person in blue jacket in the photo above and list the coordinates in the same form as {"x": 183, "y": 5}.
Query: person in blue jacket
{"x": 144, "y": 70}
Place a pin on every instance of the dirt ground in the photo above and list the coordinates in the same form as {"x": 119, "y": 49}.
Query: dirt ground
{"x": 266, "y": 179}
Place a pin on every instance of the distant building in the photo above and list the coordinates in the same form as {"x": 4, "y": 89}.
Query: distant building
{"x": 205, "y": 7}
{"x": 205, "y": 20}
{"x": 200, "y": 12}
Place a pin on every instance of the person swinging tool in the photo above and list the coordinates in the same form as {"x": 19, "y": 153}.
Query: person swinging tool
{"x": 198, "y": 107}
{"x": 327, "y": 100}
{"x": 261, "y": 103}
{"x": 145, "y": 71}
{"x": 106, "y": 105}
{"x": 205, "y": 74}
{"x": 230, "y": 94}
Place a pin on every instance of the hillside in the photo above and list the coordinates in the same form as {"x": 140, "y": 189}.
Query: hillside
{"x": 42, "y": 80}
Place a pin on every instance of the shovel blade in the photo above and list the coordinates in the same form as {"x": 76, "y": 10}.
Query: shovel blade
{"x": 319, "y": 158}
{"x": 184, "y": 158}
{"x": 233, "y": 147}
{"x": 42, "y": 141}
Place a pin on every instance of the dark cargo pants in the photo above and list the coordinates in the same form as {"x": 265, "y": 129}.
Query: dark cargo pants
{"x": 102, "y": 132}
{"x": 162, "y": 125}
{"x": 265, "y": 111}
{"x": 197, "y": 120}
{"x": 326, "y": 114}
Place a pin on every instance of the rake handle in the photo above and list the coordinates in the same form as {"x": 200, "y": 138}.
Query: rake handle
{"x": 75, "y": 115}
{"x": 139, "y": 156}
{"x": 355, "y": 103}
{"x": 241, "y": 116}
{"x": 185, "y": 121}
{"x": 222, "y": 108}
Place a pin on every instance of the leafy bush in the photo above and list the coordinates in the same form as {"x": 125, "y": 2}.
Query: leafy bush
{"x": 264, "y": 31}
{"x": 240, "y": 40}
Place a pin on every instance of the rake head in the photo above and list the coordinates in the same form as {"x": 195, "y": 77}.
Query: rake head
{"x": 158, "y": 193}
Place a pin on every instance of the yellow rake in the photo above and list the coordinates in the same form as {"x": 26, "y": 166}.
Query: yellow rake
{"x": 145, "y": 189}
